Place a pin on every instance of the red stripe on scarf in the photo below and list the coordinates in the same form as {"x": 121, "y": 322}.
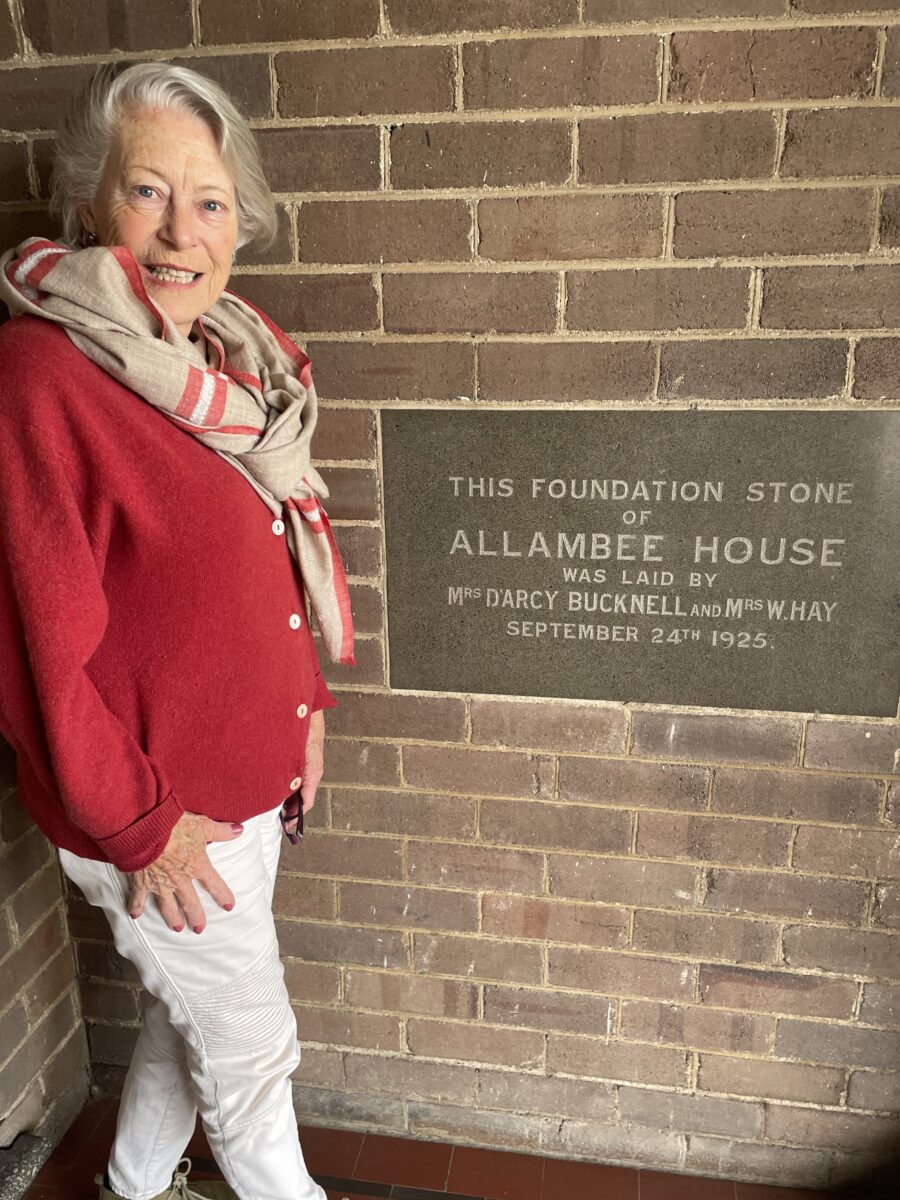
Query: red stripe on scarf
{"x": 180, "y": 421}
{"x": 245, "y": 377}
{"x": 47, "y": 263}
{"x": 132, "y": 273}
{"x": 191, "y": 393}
{"x": 305, "y": 507}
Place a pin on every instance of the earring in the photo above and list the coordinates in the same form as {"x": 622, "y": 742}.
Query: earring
{"x": 91, "y": 238}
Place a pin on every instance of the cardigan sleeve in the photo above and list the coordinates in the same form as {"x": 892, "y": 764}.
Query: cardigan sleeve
{"x": 53, "y": 613}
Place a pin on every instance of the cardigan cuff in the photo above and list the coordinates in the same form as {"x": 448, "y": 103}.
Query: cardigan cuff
{"x": 322, "y": 698}
{"x": 142, "y": 842}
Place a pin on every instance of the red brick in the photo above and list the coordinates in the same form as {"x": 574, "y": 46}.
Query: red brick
{"x": 383, "y": 79}
{"x": 327, "y": 853}
{"x": 354, "y": 493}
{"x": 298, "y": 898}
{"x": 55, "y": 977}
{"x": 478, "y": 958}
{"x": 833, "y": 142}
{"x": 479, "y": 154}
{"x": 880, "y": 1004}
{"x": 615, "y": 974}
{"x": 101, "y": 960}
{"x": 525, "y": 73}
{"x": 868, "y": 1090}
{"x": 411, "y": 1078}
{"x": 109, "y": 1001}
{"x": 570, "y": 227}
{"x": 813, "y": 1127}
{"x": 13, "y": 1028}
{"x": 889, "y": 219}
{"x": 866, "y": 297}
{"x": 695, "y": 1114}
{"x": 540, "y": 1008}
{"x": 30, "y": 955}
{"x": 732, "y": 739}
{"x": 475, "y": 867}
{"x": 786, "y": 895}
{"x": 14, "y": 820}
{"x": 389, "y": 992}
{"x": 887, "y": 905}
{"x": 340, "y": 159}
{"x": 623, "y": 881}
{"x": 321, "y": 1068}
{"x": 103, "y": 25}
{"x": 313, "y": 302}
{"x": 726, "y": 1157}
{"x": 370, "y": 714}
{"x": 795, "y": 795}
{"x": 313, "y": 983}
{"x": 601, "y": 1059}
{"x": 360, "y": 546}
{"x": 393, "y": 370}
{"x": 14, "y": 171}
{"x": 702, "y": 936}
{"x": 15, "y": 226}
{"x": 713, "y": 839}
{"x": 415, "y": 908}
{"x": 702, "y": 1028}
{"x": 366, "y": 604}
{"x": 404, "y": 812}
{"x": 345, "y": 433}
{"x": 334, "y": 1028}
{"x": 787, "y": 221}
{"x": 470, "y": 302}
{"x": 361, "y": 762}
{"x": 544, "y": 1094}
{"x": 279, "y": 253}
{"x": 777, "y": 992}
{"x": 579, "y": 370}
{"x": 451, "y": 16}
{"x": 22, "y": 861}
{"x": 892, "y": 806}
{"x": 286, "y": 21}
{"x": 675, "y": 147}
{"x": 754, "y": 368}
{"x": 555, "y": 921}
{"x": 475, "y": 1043}
{"x": 890, "y": 80}
{"x": 773, "y": 64}
{"x": 21, "y": 1070}
{"x": 589, "y": 729}
{"x": 683, "y": 298}
{"x": 9, "y": 42}
{"x": 563, "y": 826}
{"x": 374, "y": 231}
{"x": 343, "y": 944}
{"x": 37, "y": 99}
{"x": 770, "y": 1080}
{"x": 852, "y": 746}
{"x": 848, "y": 852}
{"x": 464, "y": 1124}
{"x": 632, "y": 784}
{"x": 842, "y": 951}
{"x": 245, "y": 77}
{"x": 600, "y": 11}
{"x": 485, "y": 772}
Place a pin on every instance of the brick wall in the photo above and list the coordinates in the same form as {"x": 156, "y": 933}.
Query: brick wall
{"x": 597, "y": 930}
{"x": 43, "y": 1053}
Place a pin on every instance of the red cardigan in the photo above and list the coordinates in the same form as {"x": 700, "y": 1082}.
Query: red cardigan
{"x": 151, "y": 660}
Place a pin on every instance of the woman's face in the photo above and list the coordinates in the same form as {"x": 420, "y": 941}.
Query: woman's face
{"x": 169, "y": 198}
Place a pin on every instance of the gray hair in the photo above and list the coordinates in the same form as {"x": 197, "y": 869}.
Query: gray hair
{"x": 85, "y": 138}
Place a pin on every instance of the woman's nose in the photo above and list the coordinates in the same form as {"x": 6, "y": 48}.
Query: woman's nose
{"x": 179, "y": 228}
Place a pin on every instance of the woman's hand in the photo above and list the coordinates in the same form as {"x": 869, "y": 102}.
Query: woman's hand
{"x": 315, "y": 759}
{"x": 171, "y": 876}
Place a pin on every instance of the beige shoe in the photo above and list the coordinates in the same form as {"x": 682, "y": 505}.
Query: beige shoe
{"x": 178, "y": 1189}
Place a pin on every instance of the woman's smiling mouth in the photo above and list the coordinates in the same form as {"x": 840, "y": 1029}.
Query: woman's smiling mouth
{"x": 164, "y": 273}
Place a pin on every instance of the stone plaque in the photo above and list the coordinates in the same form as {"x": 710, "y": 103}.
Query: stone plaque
{"x": 721, "y": 559}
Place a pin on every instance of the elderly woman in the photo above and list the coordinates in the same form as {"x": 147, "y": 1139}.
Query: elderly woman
{"x": 160, "y": 532}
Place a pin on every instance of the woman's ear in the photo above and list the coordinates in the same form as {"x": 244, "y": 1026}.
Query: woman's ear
{"x": 86, "y": 214}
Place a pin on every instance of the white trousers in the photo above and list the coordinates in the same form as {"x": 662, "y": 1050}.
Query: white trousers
{"x": 219, "y": 1034}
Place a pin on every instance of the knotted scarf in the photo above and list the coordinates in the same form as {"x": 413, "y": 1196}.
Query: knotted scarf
{"x": 250, "y": 397}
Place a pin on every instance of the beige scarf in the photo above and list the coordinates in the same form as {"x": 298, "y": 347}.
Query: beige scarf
{"x": 251, "y": 399}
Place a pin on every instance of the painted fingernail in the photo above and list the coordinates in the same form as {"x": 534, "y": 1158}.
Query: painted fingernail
{"x": 228, "y": 907}
{"x": 177, "y": 928}
{"x": 236, "y": 827}
{"x": 197, "y": 928}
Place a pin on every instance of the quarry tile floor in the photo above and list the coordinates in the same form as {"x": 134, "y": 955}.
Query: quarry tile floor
{"x": 358, "y": 1166}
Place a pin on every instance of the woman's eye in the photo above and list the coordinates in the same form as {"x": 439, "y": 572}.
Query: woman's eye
{"x": 144, "y": 191}
{"x": 213, "y": 206}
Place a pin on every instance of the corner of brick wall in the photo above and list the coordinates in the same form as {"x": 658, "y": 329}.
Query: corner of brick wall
{"x": 43, "y": 1052}
{"x": 593, "y": 930}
